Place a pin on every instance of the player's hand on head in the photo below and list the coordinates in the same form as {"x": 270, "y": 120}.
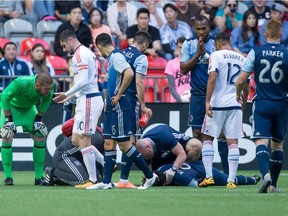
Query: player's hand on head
{"x": 8, "y": 129}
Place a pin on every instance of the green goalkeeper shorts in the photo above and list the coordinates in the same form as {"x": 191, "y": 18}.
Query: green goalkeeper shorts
{"x": 22, "y": 117}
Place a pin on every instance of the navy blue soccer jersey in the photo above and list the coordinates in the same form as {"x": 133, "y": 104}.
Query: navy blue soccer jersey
{"x": 117, "y": 65}
{"x": 139, "y": 64}
{"x": 270, "y": 63}
{"x": 199, "y": 73}
{"x": 165, "y": 138}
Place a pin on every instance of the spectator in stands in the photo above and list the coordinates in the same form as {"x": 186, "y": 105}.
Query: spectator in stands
{"x": 63, "y": 8}
{"x": 262, "y": 11}
{"x": 87, "y": 6}
{"x": 285, "y": 3}
{"x": 10, "y": 9}
{"x": 246, "y": 37}
{"x": 143, "y": 16}
{"x": 38, "y": 63}
{"x": 82, "y": 31}
{"x": 120, "y": 16}
{"x": 172, "y": 30}
{"x": 11, "y": 65}
{"x": 42, "y": 10}
{"x": 229, "y": 18}
{"x": 187, "y": 12}
{"x": 2, "y": 53}
{"x": 179, "y": 84}
{"x": 212, "y": 4}
{"x": 209, "y": 13}
{"x": 157, "y": 17}
{"x": 277, "y": 13}
{"x": 97, "y": 27}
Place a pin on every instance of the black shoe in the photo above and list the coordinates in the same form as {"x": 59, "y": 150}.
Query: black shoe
{"x": 38, "y": 181}
{"x": 257, "y": 178}
{"x": 8, "y": 181}
{"x": 48, "y": 180}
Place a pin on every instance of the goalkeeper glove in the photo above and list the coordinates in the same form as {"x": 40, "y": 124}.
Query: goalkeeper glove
{"x": 9, "y": 128}
{"x": 39, "y": 126}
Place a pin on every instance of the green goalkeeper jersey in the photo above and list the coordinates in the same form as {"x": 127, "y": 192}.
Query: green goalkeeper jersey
{"x": 21, "y": 94}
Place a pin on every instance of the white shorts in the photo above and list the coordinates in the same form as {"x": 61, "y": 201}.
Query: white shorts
{"x": 228, "y": 120}
{"x": 87, "y": 113}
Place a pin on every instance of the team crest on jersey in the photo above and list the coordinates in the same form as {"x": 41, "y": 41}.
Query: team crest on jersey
{"x": 19, "y": 67}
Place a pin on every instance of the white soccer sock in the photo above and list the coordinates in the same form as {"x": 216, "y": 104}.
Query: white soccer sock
{"x": 207, "y": 157}
{"x": 233, "y": 160}
{"x": 89, "y": 161}
{"x": 98, "y": 156}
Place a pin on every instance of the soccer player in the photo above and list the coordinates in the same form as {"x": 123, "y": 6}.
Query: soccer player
{"x": 89, "y": 103}
{"x": 269, "y": 63}
{"x": 223, "y": 111}
{"x": 162, "y": 144}
{"x": 135, "y": 93}
{"x": 191, "y": 173}
{"x": 117, "y": 115}
{"x": 195, "y": 54}
{"x": 18, "y": 102}
{"x": 68, "y": 160}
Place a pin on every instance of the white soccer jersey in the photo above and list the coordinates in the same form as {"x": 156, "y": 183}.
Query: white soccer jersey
{"x": 85, "y": 72}
{"x": 227, "y": 64}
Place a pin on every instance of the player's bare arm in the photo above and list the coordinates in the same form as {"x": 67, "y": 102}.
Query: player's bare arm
{"x": 240, "y": 85}
{"x": 210, "y": 88}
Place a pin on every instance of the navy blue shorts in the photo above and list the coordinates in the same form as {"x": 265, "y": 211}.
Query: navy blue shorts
{"x": 117, "y": 122}
{"x": 197, "y": 111}
{"x": 135, "y": 116}
{"x": 269, "y": 120}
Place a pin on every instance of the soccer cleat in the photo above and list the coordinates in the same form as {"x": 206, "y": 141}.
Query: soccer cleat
{"x": 8, "y": 181}
{"x": 38, "y": 181}
{"x": 85, "y": 185}
{"x": 272, "y": 189}
{"x": 265, "y": 183}
{"x": 100, "y": 186}
{"x": 148, "y": 182}
{"x": 48, "y": 180}
{"x": 257, "y": 178}
{"x": 231, "y": 185}
{"x": 125, "y": 185}
{"x": 207, "y": 182}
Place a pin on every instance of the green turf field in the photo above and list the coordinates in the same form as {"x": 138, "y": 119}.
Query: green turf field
{"x": 26, "y": 199}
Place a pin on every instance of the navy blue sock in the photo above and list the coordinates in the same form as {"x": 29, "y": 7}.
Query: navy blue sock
{"x": 244, "y": 180}
{"x": 138, "y": 160}
{"x": 223, "y": 153}
{"x": 126, "y": 165}
{"x": 275, "y": 166}
{"x": 109, "y": 163}
{"x": 262, "y": 156}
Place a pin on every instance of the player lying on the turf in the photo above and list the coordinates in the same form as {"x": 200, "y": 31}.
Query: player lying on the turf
{"x": 192, "y": 173}
{"x": 69, "y": 167}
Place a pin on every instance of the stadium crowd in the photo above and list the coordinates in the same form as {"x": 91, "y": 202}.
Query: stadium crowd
{"x": 175, "y": 42}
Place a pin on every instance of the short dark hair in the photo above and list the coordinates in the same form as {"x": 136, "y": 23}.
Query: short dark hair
{"x": 222, "y": 37}
{"x": 103, "y": 39}
{"x": 100, "y": 12}
{"x": 64, "y": 35}
{"x": 201, "y": 18}
{"x": 180, "y": 40}
{"x": 44, "y": 79}
{"x": 9, "y": 43}
{"x": 143, "y": 10}
{"x": 142, "y": 37}
{"x": 169, "y": 5}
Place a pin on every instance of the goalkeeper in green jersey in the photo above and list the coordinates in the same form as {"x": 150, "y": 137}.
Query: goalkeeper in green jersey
{"x": 18, "y": 103}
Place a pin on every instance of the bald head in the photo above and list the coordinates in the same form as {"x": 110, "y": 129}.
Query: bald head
{"x": 145, "y": 147}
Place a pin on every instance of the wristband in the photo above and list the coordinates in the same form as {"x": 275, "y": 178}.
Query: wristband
{"x": 8, "y": 119}
{"x": 38, "y": 118}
